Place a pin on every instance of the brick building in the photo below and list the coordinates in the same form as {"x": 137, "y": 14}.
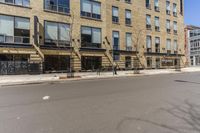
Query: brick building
{"x": 90, "y": 34}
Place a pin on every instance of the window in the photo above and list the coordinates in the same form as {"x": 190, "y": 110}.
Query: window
{"x": 90, "y": 37}
{"x": 61, "y": 6}
{"x": 175, "y": 27}
{"x": 128, "y": 1}
{"x": 148, "y": 21}
{"x": 6, "y": 28}
{"x": 128, "y": 17}
{"x": 181, "y": 7}
{"x": 91, "y": 63}
{"x": 22, "y": 30}
{"x": 175, "y": 10}
{"x": 149, "y": 62}
{"x": 57, "y": 34}
{"x": 129, "y": 41}
{"x": 168, "y": 45}
{"x": 116, "y": 56}
{"x": 168, "y": 26}
{"x": 25, "y": 3}
{"x": 116, "y": 40}
{"x": 156, "y": 5}
{"x": 168, "y": 8}
{"x": 128, "y": 62}
{"x": 115, "y": 15}
{"x": 14, "y": 30}
{"x": 175, "y": 46}
{"x": 149, "y": 44}
{"x": 157, "y": 44}
{"x": 91, "y": 9}
{"x": 148, "y": 4}
{"x": 157, "y": 24}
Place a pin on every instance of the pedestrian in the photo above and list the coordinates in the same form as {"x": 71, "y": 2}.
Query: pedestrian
{"x": 115, "y": 70}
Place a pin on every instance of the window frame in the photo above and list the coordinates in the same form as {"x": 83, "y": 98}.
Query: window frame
{"x": 14, "y": 3}
{"x": 128, "y": 21}
{"x": 129, "y": 48}
{"x": 115, "y": 19}
{"x": 91, "y": 44}
{"x": 57, "y": 8}
{"x": 58, "y": 44}
{"x": 14, "y": 35}
{"x": 116, "y": 47}
{"x": 91, "y": 13}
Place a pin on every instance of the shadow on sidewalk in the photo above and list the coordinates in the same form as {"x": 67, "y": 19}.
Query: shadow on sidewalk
{"x": 188, "y": 114}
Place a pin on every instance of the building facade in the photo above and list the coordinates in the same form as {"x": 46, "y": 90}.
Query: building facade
{"x": 193, "y": 45}
{"x": 85, "y": 35}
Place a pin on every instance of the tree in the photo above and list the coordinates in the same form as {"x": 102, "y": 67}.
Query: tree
{"x": 138, "y": 40}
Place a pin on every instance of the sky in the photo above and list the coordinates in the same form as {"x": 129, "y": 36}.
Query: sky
{"x": 192, "y": 12}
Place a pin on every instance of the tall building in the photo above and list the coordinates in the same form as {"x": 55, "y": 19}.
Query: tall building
{"x": 192, "y": 43}
{"x": 84, "y": 35}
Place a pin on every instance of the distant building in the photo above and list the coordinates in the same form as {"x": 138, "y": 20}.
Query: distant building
{"x": 192, "y": 45}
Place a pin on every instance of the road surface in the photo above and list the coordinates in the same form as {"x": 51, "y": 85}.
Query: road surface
{"x": 147, "y": 104}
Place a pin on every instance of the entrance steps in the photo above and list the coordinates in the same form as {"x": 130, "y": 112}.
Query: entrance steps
{"x": 35, "y": 58}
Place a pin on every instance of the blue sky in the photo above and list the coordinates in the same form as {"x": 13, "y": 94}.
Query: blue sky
{"x": 192, "y": 12}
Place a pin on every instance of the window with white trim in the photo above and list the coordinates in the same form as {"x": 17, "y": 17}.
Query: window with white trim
{"x": 14, "y": 29}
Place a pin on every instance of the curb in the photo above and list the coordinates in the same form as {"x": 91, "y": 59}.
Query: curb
{"x": 90, "y": 78}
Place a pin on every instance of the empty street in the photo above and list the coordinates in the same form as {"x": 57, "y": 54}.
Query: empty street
{"x": 145, "y": 104}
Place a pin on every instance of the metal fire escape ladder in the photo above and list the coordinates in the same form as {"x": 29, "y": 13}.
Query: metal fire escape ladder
{"x": 107, "y": 53}
{"x": 38, "y": 51}
{"x": 76, "y": 49}
{"x": 139, "y": 61}
{"x": 36, "y": 38}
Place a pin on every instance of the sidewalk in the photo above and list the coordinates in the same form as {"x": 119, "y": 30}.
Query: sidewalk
{"x": 31, "y": 79}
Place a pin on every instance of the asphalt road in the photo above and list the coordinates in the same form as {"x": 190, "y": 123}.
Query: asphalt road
{"x": 150, "y": 104}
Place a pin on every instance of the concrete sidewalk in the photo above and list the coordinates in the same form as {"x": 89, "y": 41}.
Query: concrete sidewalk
{"x": 31, "y": 79}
